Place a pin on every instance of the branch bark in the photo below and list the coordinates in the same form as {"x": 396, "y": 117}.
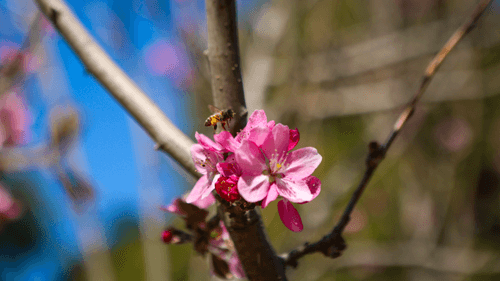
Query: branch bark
{"x": 167, "y": 137}
{"x": 256, "y": 254}
{"x": 224, "y": 60}
{"x": 333, "y": 244}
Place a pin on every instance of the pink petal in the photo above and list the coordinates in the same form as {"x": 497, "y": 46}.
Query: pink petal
{"x": 294, "y": 139}
{"x": 259, "y": 134}
{"x": 250, "y": 159}
{"x": 198, "y": 155}
{"x": 258, "y": 118}
{"x": 289, "y": 216}
{"x": 253, "y": 188}
{"x": 314, "y": 185}
{"x": 276, "y": 144}
{"x": 199, "y": 188}
{"x": 207, "y": 143}
{"x": 301, "y": 163}
{"x": 208, "y": 191}
{"x": 271, "y": 195}
{"x": 271, "y": 124}
{"x": 226, "y": 140}
{"x": 296, "y": 191}
{"x": 228, "y": 169}
{"x": 205, "y": 202}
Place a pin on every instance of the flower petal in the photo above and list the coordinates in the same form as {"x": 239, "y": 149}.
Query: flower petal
{"x": 259, "y": 134}
{"x": 296, "y": 191}
{"x": 198, "y": 155}
{"x": 199, "y": 188}
{"x": 294, "y": 139}
{"x": 276, "y": 144}
{"x": 250, "y": 159}
{"x": 253, "y": 188}
{"x": 301, "y": 163}
{"x": 226, "y": 140}
{"x": 271, "y": 195}
{"x": 290, "y": 216}
{"x": 206, "y": 202}
{"x": 207, "y": 143}
{"x": 208, "y": 191}
{"x": 314, "y": 185}
{"x": 258, "y": 118}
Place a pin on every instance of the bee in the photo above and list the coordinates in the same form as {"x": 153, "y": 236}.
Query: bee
{"x": 222, "y": 116}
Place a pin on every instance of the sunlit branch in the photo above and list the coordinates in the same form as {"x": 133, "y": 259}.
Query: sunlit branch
{"x": 168, "y": 137}
{"x": 333, "y": 244}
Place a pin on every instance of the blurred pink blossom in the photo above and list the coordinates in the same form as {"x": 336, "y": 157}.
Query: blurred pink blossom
{"x": 10, "y": 51}
{"x": 167, "y": 58}
{"x": 15, "y": 120}
{"x": 9, "y": 208}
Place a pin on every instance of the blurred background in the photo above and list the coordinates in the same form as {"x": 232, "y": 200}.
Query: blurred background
{"x": 81, "y": 186}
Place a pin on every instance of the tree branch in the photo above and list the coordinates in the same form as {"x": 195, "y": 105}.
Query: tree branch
{"x": 167, "y": 137}
{"x": 243, "y": 223}
{"x": 333, "y": 244}
{"x": 224, "y": 60}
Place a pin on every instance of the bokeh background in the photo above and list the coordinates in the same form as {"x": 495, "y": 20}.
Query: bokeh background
{"x": 81, "y": 186}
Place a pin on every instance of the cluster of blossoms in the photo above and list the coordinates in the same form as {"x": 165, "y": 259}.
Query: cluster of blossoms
{"x": 257, "y": 165}
{"x": 208, "y": 237}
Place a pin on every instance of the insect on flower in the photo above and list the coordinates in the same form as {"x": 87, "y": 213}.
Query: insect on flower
{"x": 222, "y": 116}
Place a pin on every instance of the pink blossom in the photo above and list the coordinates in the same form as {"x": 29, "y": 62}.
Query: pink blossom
{"x": 259, "y": 166}
{"x": 272, "y": 170}
{"x": 168, "y": 58}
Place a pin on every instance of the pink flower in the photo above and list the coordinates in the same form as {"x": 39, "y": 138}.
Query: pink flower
{"x": 272, "y": 170}
{"x": 259, "y": 166}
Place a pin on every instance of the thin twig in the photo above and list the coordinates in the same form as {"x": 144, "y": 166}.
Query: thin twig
{"x": 333, "y": 244}
{"x": 168, "y": 137}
